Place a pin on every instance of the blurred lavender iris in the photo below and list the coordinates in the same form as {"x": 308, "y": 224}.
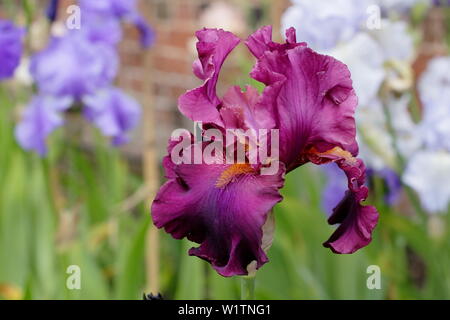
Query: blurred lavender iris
{"x": 99, "y": 12}
{"x": 10, "y": 48}
{"x": 42, "y": 117}
{"x": 80, "y": 66}
{"x": 74, "y": 66}
{"x": 113, "y": 112}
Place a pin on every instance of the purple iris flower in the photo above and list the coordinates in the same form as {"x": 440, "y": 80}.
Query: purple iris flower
{"x": 225, "y": 208}
{"x": 100, "y": 28}
{"x": 74, "y": 66}
{"x": 100, "y": 12}
{"x": 10, "y": 48}
{"x": 42, "y": 116}
{"x": 113, "y": 112}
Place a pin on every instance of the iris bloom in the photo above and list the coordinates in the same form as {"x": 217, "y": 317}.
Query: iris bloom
{"x": 57, "y": 72}
{"x": 42, "y": 117}
{"x": 103, "y": 19}
{"x": 226, "y": 208}
{"x": 110, "y": 12}
{"x": 113, "y": 112}
{"x": 10, "y": 48}
{"x": 430, "y": 184}
{"x": 339, "y": 20}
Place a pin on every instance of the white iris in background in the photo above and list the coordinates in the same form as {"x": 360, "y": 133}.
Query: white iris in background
{"x": 378, "y": 147}
{"x": 364, "y": 57}
{"x": 325, "y": 23}
{"x": 434, "y": 90}
{"x": 394, "y": 40}
{"x": 428, "y": 173}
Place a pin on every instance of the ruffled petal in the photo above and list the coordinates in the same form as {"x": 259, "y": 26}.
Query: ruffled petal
{"x": 356, "y": 224}
{"x": 316, "y": 101}
{"x": 261, "y": 41}
{"x": 213, "y": 46}
{"x": 221, "y": 207}
{"x": 356, "y": 220}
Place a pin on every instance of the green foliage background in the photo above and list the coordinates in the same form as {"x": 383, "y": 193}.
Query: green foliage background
{"x": 39, "y": 240}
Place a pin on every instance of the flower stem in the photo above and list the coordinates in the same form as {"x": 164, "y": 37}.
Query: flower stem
{"x": 50, "y": 187}
{"x": 207, "y": 283}
{"x": 28, "y": 8}
{"x": 248, "y": 288}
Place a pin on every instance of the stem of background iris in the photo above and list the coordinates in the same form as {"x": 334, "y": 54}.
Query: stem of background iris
{"x": 248, "y": 288}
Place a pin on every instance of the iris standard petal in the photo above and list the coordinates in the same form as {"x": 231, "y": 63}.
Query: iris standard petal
{"x": 316, "y": 101}
{"x": 213, "y": 46}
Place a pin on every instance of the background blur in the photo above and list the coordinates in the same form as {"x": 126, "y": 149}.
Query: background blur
{"x": 87, "y": 204}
